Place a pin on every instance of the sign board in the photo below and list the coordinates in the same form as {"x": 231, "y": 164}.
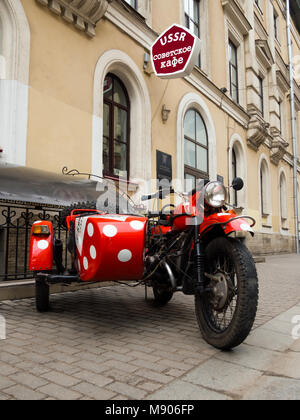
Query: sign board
{"x": 174, "y": 54}
{"x": 164, "y": 166}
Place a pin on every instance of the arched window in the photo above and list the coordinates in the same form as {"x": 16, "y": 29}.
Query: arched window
{"x": 195, "y": 147}
{"x": 234, "y": 175}
{"x": 265, "y": 193}
{"x": 14, "y": 76}
{"x": 237, "y": 162}
{"x": 283, "y": 201}
{"x": 116, "y": 122}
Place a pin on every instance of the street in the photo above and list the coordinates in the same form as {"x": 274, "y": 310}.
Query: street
{"x": 111, "y": 344}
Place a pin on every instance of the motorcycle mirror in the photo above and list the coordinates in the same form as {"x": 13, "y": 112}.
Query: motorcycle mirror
{"x": 237, "y": 184}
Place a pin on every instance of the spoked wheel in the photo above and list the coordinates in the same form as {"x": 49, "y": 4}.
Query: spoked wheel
{"x": 226, "y": 312}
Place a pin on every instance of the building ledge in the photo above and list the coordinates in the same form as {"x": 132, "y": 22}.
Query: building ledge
{"x": 233, "y": 9}
{"x": 83, "y": 14}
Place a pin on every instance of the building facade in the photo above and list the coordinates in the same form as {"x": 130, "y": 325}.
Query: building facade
{"x": 77, "y": 90}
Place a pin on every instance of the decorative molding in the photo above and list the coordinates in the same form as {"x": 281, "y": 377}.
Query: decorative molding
{"x": 237, "y": 15}
{"x": 263, "y": 53}
{"x": 130, "y": 25}
{"x": 278, "y": 147}
{"x": 84, "y": 14}
{"x": 282, "y": 81}
{"x": 258, "y": 131}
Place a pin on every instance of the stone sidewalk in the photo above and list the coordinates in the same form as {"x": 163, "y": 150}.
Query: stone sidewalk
{"x": 110, "y": 343}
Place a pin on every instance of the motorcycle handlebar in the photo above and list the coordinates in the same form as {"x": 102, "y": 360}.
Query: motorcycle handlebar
{"x": 162, "y": 193}
{"x": 147, "y": 197}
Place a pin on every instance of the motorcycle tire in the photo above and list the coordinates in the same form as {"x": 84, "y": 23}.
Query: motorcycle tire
{"x": 161, "y": 295}
{"x": 42, "y": 295}
{"x": 241, "y": 279}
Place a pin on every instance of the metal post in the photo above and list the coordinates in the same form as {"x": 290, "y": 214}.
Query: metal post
{"x": 293, "y": 116}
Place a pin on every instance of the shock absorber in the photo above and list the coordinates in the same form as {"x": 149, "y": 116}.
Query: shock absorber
{"x": 199, "y": 261}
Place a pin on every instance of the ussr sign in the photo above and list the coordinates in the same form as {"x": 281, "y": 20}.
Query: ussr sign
{"x": 174, "y": 54}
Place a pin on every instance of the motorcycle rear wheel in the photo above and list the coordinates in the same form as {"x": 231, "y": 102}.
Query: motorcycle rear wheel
{"x": 226, "y": 322}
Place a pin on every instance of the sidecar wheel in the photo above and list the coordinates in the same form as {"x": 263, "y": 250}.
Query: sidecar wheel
{"x": 42, "y": 295}
{"x": 227, "y": 312}
{"x": 161, "y": 295}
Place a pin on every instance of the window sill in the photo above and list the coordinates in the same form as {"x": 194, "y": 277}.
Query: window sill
{"x": 266, "y": 226}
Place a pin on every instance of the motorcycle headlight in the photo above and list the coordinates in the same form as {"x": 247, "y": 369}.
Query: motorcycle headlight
{"x": 215, "y": 194}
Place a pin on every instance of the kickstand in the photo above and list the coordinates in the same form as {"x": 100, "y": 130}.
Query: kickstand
{"x": 146, "y": 293}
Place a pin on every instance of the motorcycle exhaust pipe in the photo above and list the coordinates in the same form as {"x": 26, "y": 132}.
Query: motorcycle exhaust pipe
{"x": 170, "y": 274}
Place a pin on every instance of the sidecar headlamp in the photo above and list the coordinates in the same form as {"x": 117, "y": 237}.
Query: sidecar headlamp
{"x": 215, "y": 194}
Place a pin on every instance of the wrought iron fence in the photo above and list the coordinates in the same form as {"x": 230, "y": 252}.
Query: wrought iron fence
{"x": 16, "y": 221}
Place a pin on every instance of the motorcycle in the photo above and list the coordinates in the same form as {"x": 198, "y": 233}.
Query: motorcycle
{"x": 196, "y": 247}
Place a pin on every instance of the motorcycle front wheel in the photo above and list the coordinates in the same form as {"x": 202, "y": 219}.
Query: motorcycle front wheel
{"x": 226, "y": 312}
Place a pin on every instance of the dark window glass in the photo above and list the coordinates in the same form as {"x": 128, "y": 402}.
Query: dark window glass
{"x": 276, "y": 26}
{"x": 233, "y": 72}
{"x": 116, "y": 120}
{"x": 195, "y": 147}
{"x": 261, "y": 94}
{"x": 234, "y": 175}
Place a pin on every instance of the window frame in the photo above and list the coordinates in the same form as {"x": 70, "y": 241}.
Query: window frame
{"x": 276, "y": 25}
{"x": 187, "y": 17}
{"x": 261, "y": 95}
{"x": 111, "y": 138}
{"x": 189, "y": 170}
{"x": 234, "y": 174}
{"x": 231, "y": 46}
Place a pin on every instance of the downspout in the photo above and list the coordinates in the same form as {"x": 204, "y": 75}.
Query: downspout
{"x": 293, "y": 116}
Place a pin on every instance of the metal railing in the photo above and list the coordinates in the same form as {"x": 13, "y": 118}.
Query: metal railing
{"x": 16, "y": 221}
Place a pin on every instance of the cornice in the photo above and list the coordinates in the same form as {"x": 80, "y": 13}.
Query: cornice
{"x": 83, "y": 14}
{"x": 237, "y": 15}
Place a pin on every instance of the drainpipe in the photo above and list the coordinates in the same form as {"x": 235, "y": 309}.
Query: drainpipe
{"x": 293, "y": 115}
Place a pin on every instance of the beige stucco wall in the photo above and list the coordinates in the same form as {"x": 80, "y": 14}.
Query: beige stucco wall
{"x": 62, "y": 66}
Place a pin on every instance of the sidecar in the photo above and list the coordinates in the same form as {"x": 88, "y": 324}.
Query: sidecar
{"x": 103, "y": 247}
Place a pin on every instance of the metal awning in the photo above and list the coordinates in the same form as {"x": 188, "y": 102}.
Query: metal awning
{"x": 23, "y": 184}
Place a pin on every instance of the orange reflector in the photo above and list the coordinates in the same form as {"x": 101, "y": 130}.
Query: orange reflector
{"x": 41, "y": 230}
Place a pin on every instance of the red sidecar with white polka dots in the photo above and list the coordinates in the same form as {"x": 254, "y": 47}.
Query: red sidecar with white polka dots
{"x": 104, "y": 247}
{"x": 110, "y": 247}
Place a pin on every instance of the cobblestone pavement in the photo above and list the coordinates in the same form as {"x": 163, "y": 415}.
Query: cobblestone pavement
{"x": 110, "y": 343}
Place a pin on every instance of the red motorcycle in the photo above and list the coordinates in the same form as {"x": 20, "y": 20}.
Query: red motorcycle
{"x": 196, "y": 248}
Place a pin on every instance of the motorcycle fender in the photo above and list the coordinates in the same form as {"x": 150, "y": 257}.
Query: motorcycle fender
{"x": 230, "y": 223}
{"x": 239, "y": 225}
{"x": 41, "y": 249}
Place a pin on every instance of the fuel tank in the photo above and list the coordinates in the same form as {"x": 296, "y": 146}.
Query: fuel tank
{"x": 110, "y": 247}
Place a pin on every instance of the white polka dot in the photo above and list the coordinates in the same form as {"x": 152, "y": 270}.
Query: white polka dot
{"x": 43, "y": 245}
{"x": 90, "y": 230}
{"x": 78, "y": 265}
{"x": 85, "y": 263}
{"x": 110, "y": 231}
{"x": 137, "y": 225}
{"x": 93, "y": 252}
{"x": 125, "y": 255}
